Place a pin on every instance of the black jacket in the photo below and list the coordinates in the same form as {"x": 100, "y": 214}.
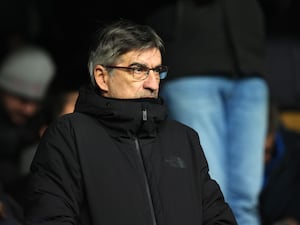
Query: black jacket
{"x": 212, "y": 37}
{"x": 120, "y": 162}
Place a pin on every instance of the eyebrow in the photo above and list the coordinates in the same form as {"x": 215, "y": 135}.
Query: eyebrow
{"x": 137, "y": 64}
{"x": 142, "y": 64}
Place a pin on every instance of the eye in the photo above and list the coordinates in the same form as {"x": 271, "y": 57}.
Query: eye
{"x": 138, "y": 69}
{"x": 158, "y": 69}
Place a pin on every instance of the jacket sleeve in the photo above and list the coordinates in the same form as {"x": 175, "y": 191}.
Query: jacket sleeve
{"x": 54, "y": 187}
{"x": 215, "y": 209}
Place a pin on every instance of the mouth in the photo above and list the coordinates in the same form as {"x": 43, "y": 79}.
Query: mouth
{"x": 151, "y": 96}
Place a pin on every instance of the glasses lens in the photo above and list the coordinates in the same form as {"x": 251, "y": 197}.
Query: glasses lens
{"x": 163, "y": 75}
{"x": 163, "y": 72}
{"x": 139, "y": 72}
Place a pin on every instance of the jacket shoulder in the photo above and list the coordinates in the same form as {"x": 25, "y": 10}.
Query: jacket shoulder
{"x": 176, "y": 126}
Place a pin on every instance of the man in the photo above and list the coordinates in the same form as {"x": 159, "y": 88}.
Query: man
{"x": 117, "y": 159}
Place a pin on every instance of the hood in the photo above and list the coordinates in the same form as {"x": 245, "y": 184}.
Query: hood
{"x": 122, "y": 117}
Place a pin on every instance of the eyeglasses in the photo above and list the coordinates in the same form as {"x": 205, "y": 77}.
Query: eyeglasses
{"x": 141, "y": 72}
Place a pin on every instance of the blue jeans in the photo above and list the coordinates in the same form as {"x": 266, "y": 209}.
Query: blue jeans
{"x": 230, "y": 117}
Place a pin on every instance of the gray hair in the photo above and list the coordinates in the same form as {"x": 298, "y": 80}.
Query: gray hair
{"x": 118, "y": 38}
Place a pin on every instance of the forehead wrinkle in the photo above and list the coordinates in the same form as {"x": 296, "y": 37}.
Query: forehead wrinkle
{"x": 134, "y": 56}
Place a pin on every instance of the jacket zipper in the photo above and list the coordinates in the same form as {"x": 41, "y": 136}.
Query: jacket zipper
{"x": 140, "y": 157}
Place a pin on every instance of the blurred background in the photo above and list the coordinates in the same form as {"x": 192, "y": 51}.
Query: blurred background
{"x": 65, "y": 29}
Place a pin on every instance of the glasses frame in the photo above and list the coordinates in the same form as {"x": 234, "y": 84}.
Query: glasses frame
{"x": 136, "y": 69}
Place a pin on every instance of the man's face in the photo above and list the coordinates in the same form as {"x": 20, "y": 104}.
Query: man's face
{"x": 18, "y": 109}
{"x": 121, "y": 83}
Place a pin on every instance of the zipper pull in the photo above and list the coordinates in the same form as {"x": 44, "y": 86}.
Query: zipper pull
{"x": 145, "y": 117}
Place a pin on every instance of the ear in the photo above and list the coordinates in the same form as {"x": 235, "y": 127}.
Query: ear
{"x": 101, "y": 76}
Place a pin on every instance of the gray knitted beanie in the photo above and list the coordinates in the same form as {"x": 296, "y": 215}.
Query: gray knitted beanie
{"x": 27, "y": 72}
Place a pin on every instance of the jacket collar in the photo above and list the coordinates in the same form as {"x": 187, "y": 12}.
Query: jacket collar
{"x": 122, "y": 117}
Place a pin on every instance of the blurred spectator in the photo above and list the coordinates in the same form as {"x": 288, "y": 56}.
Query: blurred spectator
{"x": 281, "y": 17}
{"x": 59, "y": 102}
{"x": 280, "y": 198}
{"x": 283, "y": 51}
{"x": 11, "y": 213}
{"x": 216, "y": 60}
{"x": 25, "y": 75}
{"x": 69, "y": 102}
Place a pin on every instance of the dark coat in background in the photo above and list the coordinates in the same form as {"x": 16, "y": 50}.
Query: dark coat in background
{"x": 280, "y": 197}
{"x": 13, "y": 140}
{"x": 221, "y": 37}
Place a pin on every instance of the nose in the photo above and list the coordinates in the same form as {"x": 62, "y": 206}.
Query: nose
{"x": 152, "y": 81}
{"x": 30, "y": 108}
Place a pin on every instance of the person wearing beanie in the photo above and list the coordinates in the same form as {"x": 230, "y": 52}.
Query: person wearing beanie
{"x": 25, "y": 75}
